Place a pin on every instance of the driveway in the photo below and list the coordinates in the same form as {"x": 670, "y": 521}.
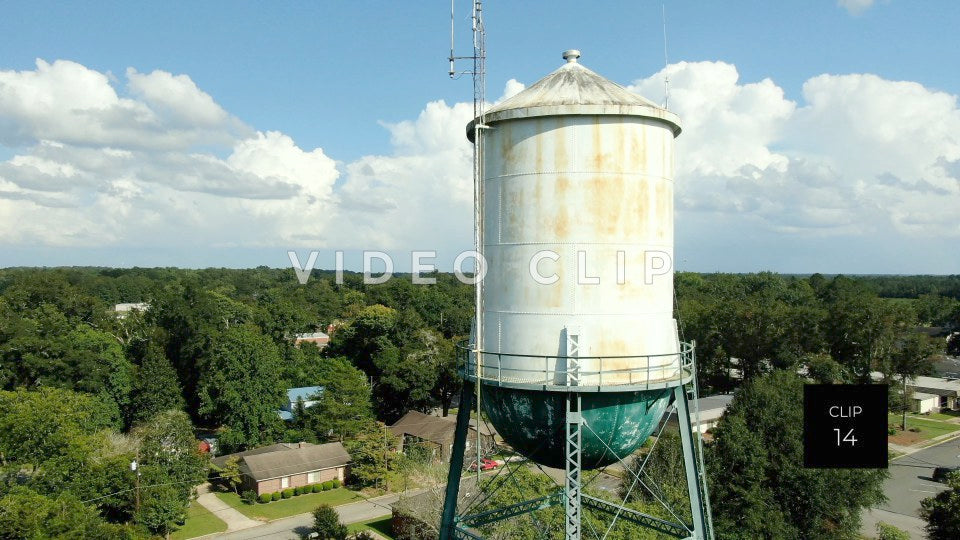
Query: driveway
{"x": 235, "y": 520}
{"x": 910, "y": 482}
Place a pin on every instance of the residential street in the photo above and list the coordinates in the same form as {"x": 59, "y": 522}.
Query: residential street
{"x": 291, "y": 527}
{"x": 909, "y": 483}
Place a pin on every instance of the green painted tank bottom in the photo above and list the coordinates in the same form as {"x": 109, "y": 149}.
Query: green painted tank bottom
{"x": 532, "y": 422}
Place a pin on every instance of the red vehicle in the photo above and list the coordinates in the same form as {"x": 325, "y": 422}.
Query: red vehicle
{"x": 486, "y": 464}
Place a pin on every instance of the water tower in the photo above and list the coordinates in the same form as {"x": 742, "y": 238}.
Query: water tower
{"x": 575, "y": 355}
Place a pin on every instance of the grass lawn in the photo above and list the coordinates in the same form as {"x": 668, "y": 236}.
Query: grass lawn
{"x": 952, "y": 415}
{"x": 292, "y": 506}
{"x": 928, "y": 428}
{"x": 379, "y": 525}
{"x": 199, "y": 522}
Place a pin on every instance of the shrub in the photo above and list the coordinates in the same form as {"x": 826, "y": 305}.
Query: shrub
{"x": 265, "y": 498}
{"x": 249, "y": 496}
{"x": 336, "y": 483}
{"x": 326, "y": 523}
{"x": 891, "y": 430}
{"x": 275, "y": 496}
{"x": 317, "y": 488}
{"x": 363, "y": 535}
{"x": 328, "y": 485}
{"x": 297, "y": 491}
{"x": 287, "y": 493}
{"x": 889, "y": 532}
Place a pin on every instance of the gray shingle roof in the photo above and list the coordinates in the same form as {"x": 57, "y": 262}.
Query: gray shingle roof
{"x": 220, "y": 461}
{"x": 300, "y": 460}
{"x": 286, "y": 459}
{"x": 433, "y": 428}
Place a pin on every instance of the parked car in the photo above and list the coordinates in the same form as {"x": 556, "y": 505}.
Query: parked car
{"x": 940, "y": 473}
{"x": 486, "y": 464}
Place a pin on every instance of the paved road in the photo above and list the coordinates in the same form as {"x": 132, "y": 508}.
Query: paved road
{"x": 910, "y": 482}
{"x": 292, "y": 527}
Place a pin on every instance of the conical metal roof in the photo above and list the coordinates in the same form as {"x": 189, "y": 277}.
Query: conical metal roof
{"x": 575, "y": 90}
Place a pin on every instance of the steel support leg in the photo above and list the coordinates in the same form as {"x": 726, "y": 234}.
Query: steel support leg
{"x": 573, "y": 482}
{"x": 456, "y": 461}
{"x": 701, "y": 525}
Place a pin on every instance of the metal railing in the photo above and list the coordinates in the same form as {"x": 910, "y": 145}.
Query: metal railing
{"x": 647, "y": 370}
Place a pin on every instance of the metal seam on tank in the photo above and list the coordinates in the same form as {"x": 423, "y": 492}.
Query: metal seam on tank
{"x": 574, "y": 261}
{"x": 499, "y": 208}
{"x": 574, "y": 173}
{"x": 499, "y": 332}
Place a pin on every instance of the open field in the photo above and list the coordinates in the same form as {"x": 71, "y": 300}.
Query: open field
{"x": 199, "y": 522}
{"x": 289, "y": 507}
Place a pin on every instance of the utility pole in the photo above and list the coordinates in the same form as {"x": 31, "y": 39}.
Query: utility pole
{"x": 134, "y": 466}
{"x": 903, "y": 423}
{"x": 385, "y": 468}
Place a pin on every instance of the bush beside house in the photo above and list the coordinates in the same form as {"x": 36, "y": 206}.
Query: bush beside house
{"x": 264, "y": 498}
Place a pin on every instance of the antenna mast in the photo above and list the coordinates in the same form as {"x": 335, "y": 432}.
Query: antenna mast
{"x": 478, "y": 73}
{"x": 666, "y": 76}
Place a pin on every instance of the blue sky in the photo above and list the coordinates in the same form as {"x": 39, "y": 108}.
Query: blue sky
{"x": 238, "y": 131}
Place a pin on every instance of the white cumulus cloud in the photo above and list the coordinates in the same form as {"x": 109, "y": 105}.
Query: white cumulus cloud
{"x": 855, "y": 7}
{"x": 857, "y": 162}
{"x": 860, "y": 155}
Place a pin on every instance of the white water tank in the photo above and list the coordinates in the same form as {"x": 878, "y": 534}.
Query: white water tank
{"x": 578, "y": 169}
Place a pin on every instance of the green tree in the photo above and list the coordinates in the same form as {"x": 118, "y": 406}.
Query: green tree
{"x": 280, "y": 318}
{"x": 168, "y": 458}
{"x": 326, "y": 523}
{"x": 367, "y": 334}
{"x": 373, "y": 451}
{"x": 240, "y": 386}
{"x": 889, "y": 532}
{"x": 825, "y": 370}
{"x": 39, "y": 425}
{"x": 942, "y": 511}
{"x": 448, "y": 382}
{"x": 407, "y": 376}
{"x": 161, "y": 508}
{"x": 24, "y": 513}
{"x": 230, "y": 474}
{"x": 935, "y": 310}
{"x": 343, "y": 408}
{"x": 910, "y": 357}
{"x": 758, "y": 485}
{"x": 860, "y": 328}
{"x": 99, "y": 365}
{"x": 155, "y": 385}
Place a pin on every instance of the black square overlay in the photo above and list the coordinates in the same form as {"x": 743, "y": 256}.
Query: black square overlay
{"x": 845, "y": 426}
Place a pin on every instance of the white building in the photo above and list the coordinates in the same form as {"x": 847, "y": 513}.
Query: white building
{"x": 923, "y": 403}
{"x": 711, "y": 409}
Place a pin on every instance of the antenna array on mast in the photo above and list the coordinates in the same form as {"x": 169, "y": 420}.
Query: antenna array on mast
{"x": 478, "y": 72}
{"x": 666, "y": 63}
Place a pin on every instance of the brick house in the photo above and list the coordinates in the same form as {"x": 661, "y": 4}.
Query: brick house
{"x": 289, "y": 465}
{"x": 320, "y": 339}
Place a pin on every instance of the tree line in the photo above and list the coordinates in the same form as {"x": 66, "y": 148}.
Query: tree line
{"x": 214, "y": 352}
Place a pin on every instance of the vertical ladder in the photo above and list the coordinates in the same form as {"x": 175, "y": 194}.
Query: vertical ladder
{"x": 574, "y": 420}
{"x": 573, "y": 483}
